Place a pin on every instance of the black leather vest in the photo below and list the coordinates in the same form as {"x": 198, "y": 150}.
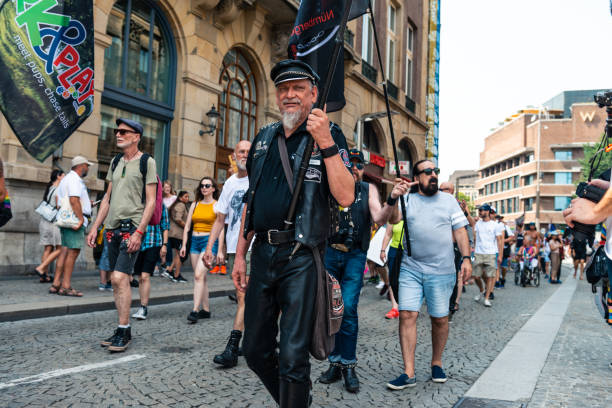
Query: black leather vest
{"x": 313, "y": 216}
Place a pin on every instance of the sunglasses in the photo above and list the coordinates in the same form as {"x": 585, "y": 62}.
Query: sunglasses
{"x": 122, "y": 132}
{"x": 429, "y": 171}
{"x": 205, "y": 185}
{"x": 358, "y": 165}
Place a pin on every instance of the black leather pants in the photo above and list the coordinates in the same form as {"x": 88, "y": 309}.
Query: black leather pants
{"x": 279, "y": 286}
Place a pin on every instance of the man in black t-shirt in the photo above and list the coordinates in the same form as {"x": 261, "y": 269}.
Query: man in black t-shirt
{"x": 283, "y": 274}
{"x": 579, "y": 254}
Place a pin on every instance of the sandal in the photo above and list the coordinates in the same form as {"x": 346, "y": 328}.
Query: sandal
{"x": 45, "y": 278}
{"x": 54, "y": 290}
{"x": 69, "y": 292}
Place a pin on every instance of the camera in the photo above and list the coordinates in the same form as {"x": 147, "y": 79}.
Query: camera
{"x": 603, "y": 99}
{"x": 594, "y": 194}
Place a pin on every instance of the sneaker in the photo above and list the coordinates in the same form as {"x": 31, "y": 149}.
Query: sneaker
{"x": 167, "y": 275}
{"x": 192, "y": 317}
{"x": 134, "y": 283}
{"x": 102, "y": 287}
{"x": 232, "y": 297}
{"x": 141, "y": 314}
{"x": 215, "y": 270}
{"x": 203, "y": 314}
{"x": 437, "y": 373}
{"x": 109, "y": 287}
{"x": 487, "y": 303}
{"x": 402, "y": 382}
{"x": 109, "y": 341}
{"x": 380, "y": 285}
{"x": 223, "y": 270}
{"x": 392, "y": 314}
{"x": 384, "y": 290}
{"x": 121, "y": 340}
{"x": 497, "y": 284}
{"x": 492, "y": 296}
{"x": 180, "y": 279}
{"x": 477, "y": 297}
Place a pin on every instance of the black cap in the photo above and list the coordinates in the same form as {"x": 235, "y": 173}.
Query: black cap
{"x": 290, "y": 70}
{"x": 356, "y": 154}
{"x": 131, "y": 123}
{"x": 485, "y": 207}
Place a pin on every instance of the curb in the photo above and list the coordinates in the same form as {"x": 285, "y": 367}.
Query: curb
{"x": 15, "y": 312}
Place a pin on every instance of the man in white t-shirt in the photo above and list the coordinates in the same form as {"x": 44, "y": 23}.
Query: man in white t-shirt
{"x": 489, "y": 241}
{"x": 72, "y": 187}
{"x": 229, "y": 210}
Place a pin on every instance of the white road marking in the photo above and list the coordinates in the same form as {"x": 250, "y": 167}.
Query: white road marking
{"x": 66, "y": 371}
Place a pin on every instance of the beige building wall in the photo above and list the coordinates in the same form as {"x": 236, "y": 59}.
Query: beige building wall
{"x": 204, "y": 31}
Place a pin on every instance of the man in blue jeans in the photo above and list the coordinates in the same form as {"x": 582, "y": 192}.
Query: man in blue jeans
{"x": 345, "y": 258}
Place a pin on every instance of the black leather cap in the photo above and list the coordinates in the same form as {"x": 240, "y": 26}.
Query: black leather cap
{"x": 290, "y": 70}
{"x": 131, "y": 123}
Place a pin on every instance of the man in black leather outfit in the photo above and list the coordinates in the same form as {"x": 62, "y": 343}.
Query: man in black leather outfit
{"x": 283, "y": 275}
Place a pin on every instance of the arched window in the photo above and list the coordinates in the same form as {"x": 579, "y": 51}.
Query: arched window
{"x": 403, "y": 154}
{"x": 370, "y": 138}
{"x": 238, "y": 103}
{"x": 139, "y": 79}
{"x": 237, "y": 107}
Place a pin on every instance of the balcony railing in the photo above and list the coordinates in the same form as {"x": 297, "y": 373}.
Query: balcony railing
{"x": 392, "y": 89}
{"x": 410, "y": 104}
{"x": 349, "y": 37}
{"x": 369, "y": 71}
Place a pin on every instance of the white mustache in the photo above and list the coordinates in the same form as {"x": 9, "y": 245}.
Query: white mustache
{"x": 297, "y": 101}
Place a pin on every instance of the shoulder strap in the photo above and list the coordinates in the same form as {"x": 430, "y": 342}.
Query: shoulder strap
{"x": 115, "y": 161}
{"x": 144, "y": 159}
{"x": 282, "y": 149}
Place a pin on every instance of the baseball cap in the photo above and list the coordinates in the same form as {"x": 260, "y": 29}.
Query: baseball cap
{"x": 485, "y": 207}
{"x": 131, "y": 123}
{"x": 80, "y": 160}
{"x": 356, "y": 154}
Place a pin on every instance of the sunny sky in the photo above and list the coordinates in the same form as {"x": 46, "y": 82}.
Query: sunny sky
{"x": 497, "y": 57}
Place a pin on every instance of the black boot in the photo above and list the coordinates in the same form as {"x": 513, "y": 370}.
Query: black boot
{"x": 229, "y": 357}
{"x": 351, "y": 382}
{"x": 333, "y": 374}
{"x": 294, "y": 394}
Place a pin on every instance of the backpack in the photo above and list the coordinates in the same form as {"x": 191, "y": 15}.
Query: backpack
{"x": 157, "y": 213}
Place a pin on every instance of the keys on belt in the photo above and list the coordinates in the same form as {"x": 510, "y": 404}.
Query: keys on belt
{"x": 340, "y": 247}
{"x": 277, "y": 237}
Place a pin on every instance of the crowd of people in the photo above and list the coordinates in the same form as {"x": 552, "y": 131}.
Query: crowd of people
{"x": 142, "y": 226}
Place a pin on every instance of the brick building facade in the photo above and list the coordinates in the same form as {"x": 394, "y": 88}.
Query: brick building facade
{"x": 167, "y": 63}
{"x": 549, "y": 143}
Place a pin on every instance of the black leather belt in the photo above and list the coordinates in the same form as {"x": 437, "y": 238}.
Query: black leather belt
{"x": 277, "y": 237}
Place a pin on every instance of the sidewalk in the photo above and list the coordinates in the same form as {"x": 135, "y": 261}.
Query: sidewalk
{"x": 26, "y": 298}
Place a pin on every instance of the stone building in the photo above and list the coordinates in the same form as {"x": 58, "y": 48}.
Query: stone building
{"x": 176, "y": 60}
{"x": 465, "y": 182}
{"x": 536, "y": 152}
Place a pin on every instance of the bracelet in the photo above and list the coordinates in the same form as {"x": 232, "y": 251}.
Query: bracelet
{"x": 330, "y": 151}
{"x": 391, "y": 201}
{"x": 466, "y": 257}
{"x": 138, "y": 231}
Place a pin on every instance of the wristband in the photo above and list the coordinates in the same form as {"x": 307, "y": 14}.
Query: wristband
{"x": 391, "y": 201}
{"x": 466, "y": 257}
{"x": 138, "y": 231}
{"x": 330, "y": 151}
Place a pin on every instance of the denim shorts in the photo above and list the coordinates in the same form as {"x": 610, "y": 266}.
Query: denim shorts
{"x": 435, "y": 289}
{"x": 104, "y": 264}
{"x": 199, "y": 243}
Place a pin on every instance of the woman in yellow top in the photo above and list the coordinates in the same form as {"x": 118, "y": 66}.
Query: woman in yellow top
{"x": 393, "y": 234}
{"x": 201, "y": 217}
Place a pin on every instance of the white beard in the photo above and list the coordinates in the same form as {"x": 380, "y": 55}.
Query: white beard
{"x": 291, "y": 119}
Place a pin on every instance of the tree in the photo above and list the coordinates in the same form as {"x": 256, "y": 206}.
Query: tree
{"x": 468, "y": 200}
{"x": 601, "y": 166}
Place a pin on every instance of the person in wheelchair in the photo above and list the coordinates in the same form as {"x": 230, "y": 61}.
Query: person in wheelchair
{"x": 528, "y": 260}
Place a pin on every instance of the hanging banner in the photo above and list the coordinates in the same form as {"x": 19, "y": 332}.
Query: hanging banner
{"x": 46, "y": 61}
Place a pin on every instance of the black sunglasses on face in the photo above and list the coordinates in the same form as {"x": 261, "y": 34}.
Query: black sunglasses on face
{"x": 359, "y": 165}
{"x": 205, "y": 185}
{"x": 430, "y": 171}
{"x": 122, "y": 132}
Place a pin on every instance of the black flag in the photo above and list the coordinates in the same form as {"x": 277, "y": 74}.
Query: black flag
{"x": 46, "y": 66}
{"x": 312, "y": 41}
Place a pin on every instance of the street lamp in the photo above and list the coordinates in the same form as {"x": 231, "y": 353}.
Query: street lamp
{"x": 367, "y": 118}
{"x": 213, "y": 118}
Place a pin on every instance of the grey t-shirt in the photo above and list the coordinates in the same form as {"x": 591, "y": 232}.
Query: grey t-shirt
{"x": 431, "y": 222}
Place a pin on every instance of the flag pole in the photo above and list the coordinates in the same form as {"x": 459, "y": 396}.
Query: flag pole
{"x": 323, "y": 94}
{"x": 391, "y": 131}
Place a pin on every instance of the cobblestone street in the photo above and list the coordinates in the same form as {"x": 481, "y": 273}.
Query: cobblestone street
{"x": 173, "y": 366}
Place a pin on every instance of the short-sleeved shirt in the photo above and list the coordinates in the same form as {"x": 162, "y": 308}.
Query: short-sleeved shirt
{"x": 72, "y": 185}
{"x": 486, "y": 237}
{"x": 154, "y": 235}
{"x": 230, "y": 204}
{"x": 431, "y": 221}
{"x": 126, "y": 196}
{"x": 272, "y": 196}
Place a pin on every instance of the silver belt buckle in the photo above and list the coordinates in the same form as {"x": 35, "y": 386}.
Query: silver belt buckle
{"x": 270, "y": 236}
